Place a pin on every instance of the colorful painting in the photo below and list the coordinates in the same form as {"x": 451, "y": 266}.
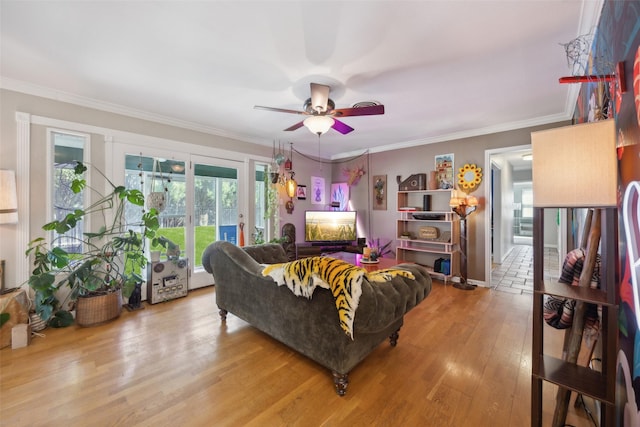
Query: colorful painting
{"x": 444, "y": 171}
{"x": 301, "y": 192}
{"x": 340, "y": 196}
{"x": 617, "y": 39}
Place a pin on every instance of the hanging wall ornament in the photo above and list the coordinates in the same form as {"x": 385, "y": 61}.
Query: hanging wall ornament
{"x": 354, "y": 174}
{"x": 279, "y": 158}
{"x": 157, "y": 199}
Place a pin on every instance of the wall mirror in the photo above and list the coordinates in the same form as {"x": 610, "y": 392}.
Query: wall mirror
{"x": 469, "y": 177}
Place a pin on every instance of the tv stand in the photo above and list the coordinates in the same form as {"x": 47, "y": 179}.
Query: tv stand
{"x": 306, "y": 249}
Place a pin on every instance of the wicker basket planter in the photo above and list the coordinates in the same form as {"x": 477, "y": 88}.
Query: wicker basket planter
{"x": 97, "y": 309}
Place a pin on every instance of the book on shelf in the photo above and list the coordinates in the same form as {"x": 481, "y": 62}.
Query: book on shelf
{"x": 407, "y": 208}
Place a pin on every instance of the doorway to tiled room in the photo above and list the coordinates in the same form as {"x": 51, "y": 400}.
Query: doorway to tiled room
{"x": 510, "y": 222}
{"x": 515, "y": 274}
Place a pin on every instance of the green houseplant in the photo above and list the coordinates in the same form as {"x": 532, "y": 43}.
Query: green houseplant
{"x": 110, "y": 260}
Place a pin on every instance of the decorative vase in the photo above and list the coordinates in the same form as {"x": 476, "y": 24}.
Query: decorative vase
{"x": 92, "y": 310}
{"x": 433, "y": 182}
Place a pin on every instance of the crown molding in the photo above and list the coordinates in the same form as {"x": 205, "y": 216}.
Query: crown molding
{"x": 503, "y": 127}
{"x": 61, "y": 96}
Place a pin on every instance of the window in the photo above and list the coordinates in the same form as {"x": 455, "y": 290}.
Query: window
{"x": 260, "y": 233}
{"x": 68, "y": 148}
{"x": 527, "y": 203}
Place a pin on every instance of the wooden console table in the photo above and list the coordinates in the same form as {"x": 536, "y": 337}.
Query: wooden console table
{"x": 305, "y": 250}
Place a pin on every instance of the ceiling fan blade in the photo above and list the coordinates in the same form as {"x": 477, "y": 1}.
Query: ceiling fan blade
{"x": 278, "y": 110}
{"x": 319, "y": 97}
{"x": 341, "y": 127}
{"x": 294, "y": 127}
{"x": 359, "y": 111}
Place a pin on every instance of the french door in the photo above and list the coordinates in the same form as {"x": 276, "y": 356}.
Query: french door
{"x": 204, "y": 200}
{"x": 217, "y": 208}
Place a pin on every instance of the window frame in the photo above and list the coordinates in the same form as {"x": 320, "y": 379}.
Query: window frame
{"x": 86, "y": 156}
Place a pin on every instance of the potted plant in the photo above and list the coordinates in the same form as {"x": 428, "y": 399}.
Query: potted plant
{"x": 107, "y": 267}
{"x": 380, "y": 250}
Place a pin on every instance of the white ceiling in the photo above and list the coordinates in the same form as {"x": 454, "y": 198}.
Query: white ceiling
{"x": 443, "y": 69}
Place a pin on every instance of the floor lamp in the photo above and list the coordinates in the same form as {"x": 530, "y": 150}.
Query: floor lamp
{"x": 463, "y": 207}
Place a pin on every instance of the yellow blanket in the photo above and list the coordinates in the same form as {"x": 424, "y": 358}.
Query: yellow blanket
{"x": 344, "y": 280}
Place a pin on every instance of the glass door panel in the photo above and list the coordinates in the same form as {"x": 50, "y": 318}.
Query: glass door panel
{"x": 203, "y": 202}
{"x": 154, "y": 174}
{"x": 260, "y": 233}
{"x": 217, "y": 208}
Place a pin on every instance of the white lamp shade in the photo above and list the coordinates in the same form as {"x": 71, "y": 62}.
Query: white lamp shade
{"x": 8, "y": 197}
{"x": 318, "y": 124}
{"x": 575, "y": 166}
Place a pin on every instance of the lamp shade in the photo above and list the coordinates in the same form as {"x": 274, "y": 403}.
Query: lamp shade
{"x": 575, "y": 166}
{"x": 8, "y": 197}
{"x": 318, "y": 124}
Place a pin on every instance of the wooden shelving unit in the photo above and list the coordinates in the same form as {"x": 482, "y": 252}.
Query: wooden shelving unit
{"x": 422, "y": 250}
{"x": 598, "y": 385}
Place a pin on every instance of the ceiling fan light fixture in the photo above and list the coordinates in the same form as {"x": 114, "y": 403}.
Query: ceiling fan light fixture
{"x": 318, "y": 124}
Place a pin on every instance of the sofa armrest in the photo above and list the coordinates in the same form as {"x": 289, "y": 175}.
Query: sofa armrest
{"x": 235, "y": 254}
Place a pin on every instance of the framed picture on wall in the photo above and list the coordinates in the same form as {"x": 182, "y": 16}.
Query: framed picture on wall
{"x": 340, "y": 196}
{"x": 444, "y": 171}
{"x": 317, "y": 190}
{"x": 301, "y": 192}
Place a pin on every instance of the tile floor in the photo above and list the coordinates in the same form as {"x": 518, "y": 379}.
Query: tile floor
{"x": 515, "y": 274}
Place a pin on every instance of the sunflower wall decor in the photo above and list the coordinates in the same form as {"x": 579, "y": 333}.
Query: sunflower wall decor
{"x": 469, "y": 177}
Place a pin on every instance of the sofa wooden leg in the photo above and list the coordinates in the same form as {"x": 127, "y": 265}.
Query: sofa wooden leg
{"x": 341, "y": 381}
{"x": 223, "y": 314}
{"x": 393, "y": 338}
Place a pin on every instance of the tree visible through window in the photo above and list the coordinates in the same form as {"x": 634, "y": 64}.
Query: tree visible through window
{"x": 67, "y": 150}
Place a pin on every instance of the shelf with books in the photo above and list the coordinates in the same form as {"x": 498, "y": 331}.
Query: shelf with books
{"x": 428, "y": 232}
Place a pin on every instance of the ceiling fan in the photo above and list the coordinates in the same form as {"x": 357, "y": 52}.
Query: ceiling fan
{"x": 323, "y": 114}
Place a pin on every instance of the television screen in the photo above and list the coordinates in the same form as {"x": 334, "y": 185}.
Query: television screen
{"x": 330, "y": 226}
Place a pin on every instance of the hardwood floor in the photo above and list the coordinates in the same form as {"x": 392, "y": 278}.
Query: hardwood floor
{"x": 463, "y": 359}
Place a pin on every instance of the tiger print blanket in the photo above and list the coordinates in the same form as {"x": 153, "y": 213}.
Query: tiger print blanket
{"x": 344, "y": 280}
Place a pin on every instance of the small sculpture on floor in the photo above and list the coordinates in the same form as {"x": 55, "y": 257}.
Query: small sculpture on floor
{"x": 135, "y": 300}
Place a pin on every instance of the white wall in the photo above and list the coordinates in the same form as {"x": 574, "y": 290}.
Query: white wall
{"x": 382, "y": 223}
{"x": 41, "y": 113}
{"x": 418, "y": 159}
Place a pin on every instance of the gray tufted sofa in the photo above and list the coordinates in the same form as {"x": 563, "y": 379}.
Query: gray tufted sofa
{"x": 310, "y": 326}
